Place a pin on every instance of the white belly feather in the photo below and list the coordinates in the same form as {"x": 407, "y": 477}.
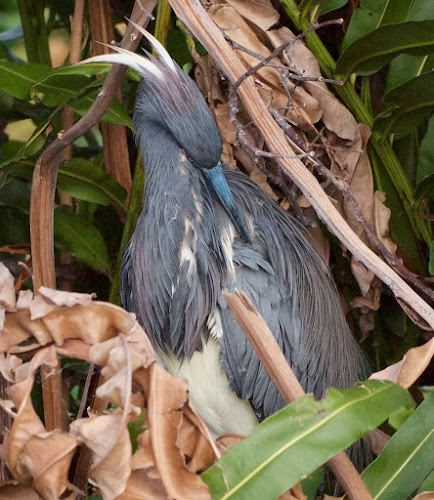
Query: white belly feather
{"x": 212, "y": 398}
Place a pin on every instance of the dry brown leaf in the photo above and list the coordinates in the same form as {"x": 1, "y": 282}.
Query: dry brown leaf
{"x": 48, "y": 299}
{"x": 377, "y": 440}
{"x": 226, "y": 442}
{"x": 8, "y": 365}
{"x": 48, "y": 458}
{"x": 425, "y": 495}
{"x": 108, "y": 438}
{"x": 140, "y": 486}
{"x": 15, "y": 491}
{"x": 145, "y": 479}
{"x": 167, "y": 397}
{"x": 409, "y": 369}
{"x": 32, "y": 452}
{"x": 335, "y": 116}
{"x": 382, "y": 218}
{"x": 7, "y": 290}
{"x": 25, "y": 297}
{"x": 228, "y": 18}
{"x": 261, "y": 13}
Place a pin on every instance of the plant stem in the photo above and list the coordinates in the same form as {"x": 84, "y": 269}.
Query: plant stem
{"x": 35, "y": 31}
{"x": 162, "y": 21}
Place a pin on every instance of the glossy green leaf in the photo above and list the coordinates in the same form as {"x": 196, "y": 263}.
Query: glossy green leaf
{"x": 371, "y": 15}
{"x": 18, "y": 78}
{"x": 87, "y": 181}
{"x": 295, "y": 441}
{"x": 404, "y": 68}
{"x": 115, "y": 114}
{"x": 407, "y": 458}
{"x": 379, "y": 47}
{"x": 326, "y": 6}
{"x": 407, "y": 105}
{"x": 77, "y": 92}
{"x": 74, "y": 236}
{"x": 398, "y": 418}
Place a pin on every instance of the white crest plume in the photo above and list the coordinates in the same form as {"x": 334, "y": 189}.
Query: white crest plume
{"x": 141, "y": 64}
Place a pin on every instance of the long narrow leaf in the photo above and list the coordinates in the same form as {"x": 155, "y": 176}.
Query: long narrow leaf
{"x": 376, "y": 49}
{"x": 407, "y": 459}
{"x": 295, "y": 441}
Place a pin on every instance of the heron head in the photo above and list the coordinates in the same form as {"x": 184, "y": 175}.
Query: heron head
{"x": 167, "y": 98}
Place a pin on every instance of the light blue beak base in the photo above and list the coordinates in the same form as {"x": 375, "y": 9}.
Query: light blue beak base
{"x": 218, "y": 182}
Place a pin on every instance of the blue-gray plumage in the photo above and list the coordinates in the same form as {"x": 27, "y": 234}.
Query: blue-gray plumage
{"x": 205, "y": 228}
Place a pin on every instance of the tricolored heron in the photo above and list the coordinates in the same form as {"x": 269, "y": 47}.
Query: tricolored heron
{"x": 204, "y": 228}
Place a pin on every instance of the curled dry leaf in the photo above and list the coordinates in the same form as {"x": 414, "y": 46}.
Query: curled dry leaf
{"x": 7, "y": 290}
{"x": 15, "y": 491}
{"x": 32, "y": 452}
{"x": 334, "y": 115}
{"x": 409, "y": 369}
{"x": 108, "y": 438}
{"x": 171, "y": 452}
{"x": 7, "y": 293}
{"x": 425, "y": 495}
{"x": 261, "y": 13}
{"x": 48, "y": 299}
{"x": 174, "y": 442}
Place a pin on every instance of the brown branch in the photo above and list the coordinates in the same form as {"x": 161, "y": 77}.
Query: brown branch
{"x": 114, "y": 136}
{"x": 192, "y": 14}
{"x": 273, "y": 360}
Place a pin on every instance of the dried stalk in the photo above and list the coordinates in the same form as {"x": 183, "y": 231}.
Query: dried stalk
{"x": 114, "y": 136}
{"x": 273, "y": 360}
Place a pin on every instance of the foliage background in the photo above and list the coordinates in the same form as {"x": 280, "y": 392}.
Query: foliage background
{"x": 96, "y": 206}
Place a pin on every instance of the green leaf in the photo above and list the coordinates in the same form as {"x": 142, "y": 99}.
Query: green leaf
{"x": 16, "y": 194}
{"x": 59, "y": 88}
{"x": 295, "y": 441}
{"x": 81, "y": 240}
{"x": 403, "y": 68}
{"x": 135, "y": 428}
{"x": 425, "y": 155}
{"x": 407, "y": 458}
{"x": 311, "y": 484}
{"x": 376, "y": 49}
{"x": 87, "y": 181}
{"x": 373, "y": 14}
{"x": 398, "y": 417}
{"x": 431, "y": 259}
{"x": 77, "y": 92}
{"x": 428, "y": 484}
{"x": 406, "y": 106}
{"x": 326, "y": 6}
{"x": 18, "y": 78}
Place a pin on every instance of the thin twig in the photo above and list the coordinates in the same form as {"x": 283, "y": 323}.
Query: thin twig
{"x": 85, "y": 391}
{"x": 251, "y": 150}
{"x": 268, "y": 61}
